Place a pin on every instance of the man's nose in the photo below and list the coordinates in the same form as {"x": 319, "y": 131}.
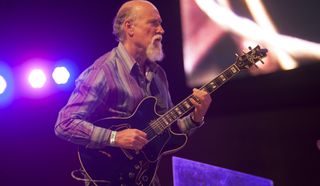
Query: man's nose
{"x": 161, "y": 30}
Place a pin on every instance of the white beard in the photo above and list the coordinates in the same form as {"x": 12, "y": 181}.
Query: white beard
{"x": 154, "y": 50}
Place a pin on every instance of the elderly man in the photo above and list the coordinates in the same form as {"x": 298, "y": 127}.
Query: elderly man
{"x": 113, "y": 87}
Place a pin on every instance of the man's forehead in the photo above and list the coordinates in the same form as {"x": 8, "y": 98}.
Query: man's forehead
{"x": 151, "y": 15}
{"x": 155, "y": 19}
{"x": 143, "y": 9}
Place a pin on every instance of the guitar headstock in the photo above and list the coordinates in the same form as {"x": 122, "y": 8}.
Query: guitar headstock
{"x": 250, "y": 58}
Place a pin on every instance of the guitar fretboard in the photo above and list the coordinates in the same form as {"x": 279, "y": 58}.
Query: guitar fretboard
{"x": 163, "y": 122}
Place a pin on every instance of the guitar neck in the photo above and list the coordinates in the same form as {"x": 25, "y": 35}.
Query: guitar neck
{"x": 186, "y": 105}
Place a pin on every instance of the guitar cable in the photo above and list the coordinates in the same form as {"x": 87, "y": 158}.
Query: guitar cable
{"x": 85, "y": 178}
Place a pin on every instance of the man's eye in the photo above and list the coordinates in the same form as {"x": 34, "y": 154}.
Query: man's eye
{"x": 155, "y": 23}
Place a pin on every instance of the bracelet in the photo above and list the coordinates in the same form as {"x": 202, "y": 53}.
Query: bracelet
{"x": 196, "y": 122}
{"x": 112, "y": 140}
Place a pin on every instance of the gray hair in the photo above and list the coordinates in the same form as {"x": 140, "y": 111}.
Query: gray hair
{"x": 123, "y": 15}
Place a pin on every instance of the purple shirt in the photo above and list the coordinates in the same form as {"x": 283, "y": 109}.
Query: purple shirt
{"x": 112, "y": 86}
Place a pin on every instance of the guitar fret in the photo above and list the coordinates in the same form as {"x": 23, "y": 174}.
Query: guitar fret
{"x": 165, "y": 120}
{"x": 163, "y": 125}
{"x": 178, "y": 111}
{"x": 157, "y": 129}
{"x": 181, "y": 108}
{"x": 228, "y": 74}
{"x": 218, "y": 82}
{"x": 222, "y": 78}
{"x": 158, "y": 126}
{"x": 173, "y": 114}
{"x": 210, "y": 87}
{"x": 168, "y": 119}
{"x": 186, "y": 105}
{"x": 233, "y": 69}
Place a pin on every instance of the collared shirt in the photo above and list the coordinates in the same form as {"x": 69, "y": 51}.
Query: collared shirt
{"x": 112, "y": 86}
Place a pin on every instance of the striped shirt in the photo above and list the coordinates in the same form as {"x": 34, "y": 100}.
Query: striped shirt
{"x": 112, "y": 86}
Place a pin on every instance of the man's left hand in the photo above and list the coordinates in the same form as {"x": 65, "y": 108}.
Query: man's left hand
{"x": 201, "y": 105}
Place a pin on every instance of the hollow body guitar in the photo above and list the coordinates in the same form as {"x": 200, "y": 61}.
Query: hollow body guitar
{"x": 116, "y": 166}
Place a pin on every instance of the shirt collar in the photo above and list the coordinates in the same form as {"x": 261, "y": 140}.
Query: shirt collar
{"x": 125, "y": 57}
{"x": 129, "y": 61}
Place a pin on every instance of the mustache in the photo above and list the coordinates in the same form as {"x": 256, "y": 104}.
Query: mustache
{"x": 157, "y": 38}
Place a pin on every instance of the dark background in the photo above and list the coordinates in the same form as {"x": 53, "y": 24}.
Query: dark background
{"x": 263, "y": 125}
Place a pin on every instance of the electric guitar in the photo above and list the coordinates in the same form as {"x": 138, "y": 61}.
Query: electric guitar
{"x": 116, "y": 166}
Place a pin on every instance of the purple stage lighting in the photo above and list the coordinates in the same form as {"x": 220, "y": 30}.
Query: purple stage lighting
{"x": 3, "y": 84}
{"x": 37, "y": 78}
{"x": 61, "y": 75}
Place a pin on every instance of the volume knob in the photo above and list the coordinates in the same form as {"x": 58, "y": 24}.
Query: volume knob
{"x": 131, "y": 174}
{"x": 137, "y": 166}
{"x": 145, "y": 178}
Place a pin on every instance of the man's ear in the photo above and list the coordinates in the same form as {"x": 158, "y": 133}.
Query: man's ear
{"x": 129, "y": 27}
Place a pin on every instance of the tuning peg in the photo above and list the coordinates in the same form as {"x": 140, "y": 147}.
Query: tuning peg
{"x": 236, "y": 55}
{"x": 250, "y": 48}
{"x": 261, "y": 61}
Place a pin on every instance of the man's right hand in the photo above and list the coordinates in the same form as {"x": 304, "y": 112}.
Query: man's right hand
{"x": 131, "y": 139}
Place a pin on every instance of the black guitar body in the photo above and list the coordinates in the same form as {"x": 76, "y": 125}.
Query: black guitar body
{"x": 129, "y": 167}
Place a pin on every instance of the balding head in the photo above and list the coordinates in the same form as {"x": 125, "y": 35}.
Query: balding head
{"x": 137, "y": 4}
{"x": 129, "y": 11}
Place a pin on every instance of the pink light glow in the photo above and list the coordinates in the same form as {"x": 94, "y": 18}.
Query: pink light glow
{"x": 37, "y": 78}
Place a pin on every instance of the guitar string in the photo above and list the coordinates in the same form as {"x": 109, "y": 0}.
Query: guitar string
{"x": 159, "y": 122}
{"x": 209, "y": 87}
{"x": 174, "y": 116}
{"x": 215, "y": 84}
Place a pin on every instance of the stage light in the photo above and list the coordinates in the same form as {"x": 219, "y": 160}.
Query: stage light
{"x": 64, "y": 74}
{"x": 37, "y": 78}
{"x": 6, "y": 85}
{"x": 3, "y": 84}
{"x": 61, "y": 75}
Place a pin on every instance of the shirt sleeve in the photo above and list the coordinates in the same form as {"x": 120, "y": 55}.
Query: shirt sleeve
{"x": 187, "y": 126}
{"x": 73, "y": 123}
